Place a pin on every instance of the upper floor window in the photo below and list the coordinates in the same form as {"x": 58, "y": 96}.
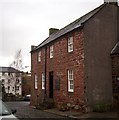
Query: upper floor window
{"x": 17, "y": 81}
{"x": 3, "y": 73}
{"x": 70, "y": 81}
{"x": 70, "y": 44}
{"x": 39, "y": 56}
{"x": 8, "y": 81}
{"x": 12, "y": 88}
{"x": 36, "y": 81}
{"x": 43, "y": 81}
{"x": 17, "y": 88}
{"x": 51, "y": 51}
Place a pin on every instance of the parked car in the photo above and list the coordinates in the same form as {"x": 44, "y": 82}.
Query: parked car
{"x": 6, "y": 112}
{"x": 27, "y": 97}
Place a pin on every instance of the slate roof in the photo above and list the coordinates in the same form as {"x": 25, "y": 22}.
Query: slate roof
{"x": 9, "y": 70}
{"x": 115, "y": 50}
{"x": 76, "y": 24}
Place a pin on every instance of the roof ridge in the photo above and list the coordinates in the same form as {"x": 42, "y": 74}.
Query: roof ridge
{"x": 71, "y": 26}
{"x": 9, "y": 69}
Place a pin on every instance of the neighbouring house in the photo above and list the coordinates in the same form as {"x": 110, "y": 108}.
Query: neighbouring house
{"x": 11, "y": 79}
{"x": 73, "y": 66}
{"x": 26, "y": 83}
{"x": 115, "y": 74}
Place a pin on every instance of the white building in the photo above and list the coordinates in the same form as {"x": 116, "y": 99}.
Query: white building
{"x": 11, "y": 79}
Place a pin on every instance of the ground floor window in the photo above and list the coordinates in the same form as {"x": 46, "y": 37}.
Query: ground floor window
{"x": 70, "y": 81}
{"x": 43, "y": 81}
{"x": 36, "y": 81}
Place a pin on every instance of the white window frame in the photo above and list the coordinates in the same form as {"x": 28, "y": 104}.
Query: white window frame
{"x": 70, "y": 44}
{"x": 43, "y": 81}
{"x": 39, "y": 56}
{"x": 36, "y": 81}
{"x": 17, "y": 88}
{"x": 51, "y": 51}
{"x": 70, "y": 81}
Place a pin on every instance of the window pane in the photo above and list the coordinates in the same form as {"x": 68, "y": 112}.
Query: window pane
{"x": 71, "y": 87}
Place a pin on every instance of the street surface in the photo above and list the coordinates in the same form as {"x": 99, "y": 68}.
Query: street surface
{"x": 25, "y": 111}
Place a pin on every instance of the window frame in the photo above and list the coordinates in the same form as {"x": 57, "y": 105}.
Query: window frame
{"x": 35, "y": 81}
{"x": 8, "y": 74}
{"x": 70, "y": 44}
{"x": 9, "y": 81}
{"x": 39, "y": 56}
{"x": 17, "y": 88}
{"x": 70, "y": 80}
{"x": 51, "y": 51}
{"x": 43, "y": 81}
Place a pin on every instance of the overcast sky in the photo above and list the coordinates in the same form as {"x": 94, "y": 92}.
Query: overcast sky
{"x": 26, "y": 22}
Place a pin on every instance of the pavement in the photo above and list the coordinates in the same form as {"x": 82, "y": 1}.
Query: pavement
{"x": 78, "y": 115}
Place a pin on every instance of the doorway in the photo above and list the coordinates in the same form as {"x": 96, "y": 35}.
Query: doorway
{"x": 51, "y": 84}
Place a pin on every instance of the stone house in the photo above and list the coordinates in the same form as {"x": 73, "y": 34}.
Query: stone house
{"x": 11, "y": 79}
{"x": 73, "y": 65}
{"x": 115, "y": 74}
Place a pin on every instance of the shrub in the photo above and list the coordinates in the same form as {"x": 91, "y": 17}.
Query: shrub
{"x": 63, "y": 107}
{"x": 47, "y": 104}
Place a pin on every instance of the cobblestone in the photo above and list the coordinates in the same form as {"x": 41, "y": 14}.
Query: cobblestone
{"x": 25, "y": 111}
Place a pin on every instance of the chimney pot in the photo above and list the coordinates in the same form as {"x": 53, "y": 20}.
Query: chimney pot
{"x": 114, "y": 2}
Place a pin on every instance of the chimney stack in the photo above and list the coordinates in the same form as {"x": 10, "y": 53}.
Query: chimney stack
{"x": 33, "y": 47}
{"x": 52, "y": 30}
{"x": 114, "y": 2}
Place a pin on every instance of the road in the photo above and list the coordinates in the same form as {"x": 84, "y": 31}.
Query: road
{"x": 25, "y": 111}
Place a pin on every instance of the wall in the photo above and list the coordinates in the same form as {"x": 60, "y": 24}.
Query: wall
{"x": 115, "y": 78}
{"x": 34, "y": 70}
{"x": 59, "y": 64}
{"x": 100, "y": 37}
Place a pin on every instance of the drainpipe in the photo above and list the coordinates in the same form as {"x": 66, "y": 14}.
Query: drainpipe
{"x": 118, "y": 23}
{"x": 45, "y": 67}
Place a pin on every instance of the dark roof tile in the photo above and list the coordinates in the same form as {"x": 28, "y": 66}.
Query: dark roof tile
{"x": 9, "y": 70}
{"x": 76, "y": 24}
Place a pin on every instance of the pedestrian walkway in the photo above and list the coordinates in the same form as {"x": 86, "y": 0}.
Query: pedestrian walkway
{"x": 79, "y": 115}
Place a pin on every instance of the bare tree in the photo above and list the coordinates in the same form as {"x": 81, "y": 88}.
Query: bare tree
{"x": 17, "y": 64}
{"x": 18, "y": 61}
